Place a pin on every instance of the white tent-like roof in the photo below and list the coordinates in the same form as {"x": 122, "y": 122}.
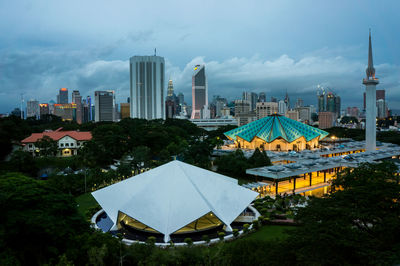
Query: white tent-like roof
{"x": 173, "y": 195}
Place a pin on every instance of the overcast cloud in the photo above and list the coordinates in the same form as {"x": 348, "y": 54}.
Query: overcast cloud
{"x": 272, "y": 47}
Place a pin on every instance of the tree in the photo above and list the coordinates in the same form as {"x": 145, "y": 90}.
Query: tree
{"x": 22, "y": 161}
{"x": 140, "y": 158}
{"x": 47, "y": 146}
{"x": 233, "y": 164}
{"x": 357, "y": 224}
{"x": 38, "y": 222}
{"x": 259, "y": 159}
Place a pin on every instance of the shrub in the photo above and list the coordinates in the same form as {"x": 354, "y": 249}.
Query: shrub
{"x": 151, "y": 240}
{"x": 221, "y": 235}
{"x": 235, "y": 232}
{"x": 246, "y": 228}
{"x": 264, "y": 211}
{"x": 188, "y": 241}
{"x": 206, "y": 238}
{"x": 256, "y": 224}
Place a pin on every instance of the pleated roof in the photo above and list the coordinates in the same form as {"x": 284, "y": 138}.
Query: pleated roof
{"x": 173, "y": 195}
{"x": 275, "y": 126}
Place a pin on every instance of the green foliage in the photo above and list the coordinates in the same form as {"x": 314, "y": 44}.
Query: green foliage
{"x": 357, "y": 224}
{"x": 151, "y": 240}
{"x": 188, "y": 241}
{"x": 47, "y": 146}
{"x": 206, "y": 238}
{"x": 348, "y": 119}
{"x": 235, "y": 232}
{"x": 221, "y": 235}
{"x": 235, "y": 164}
{"x": 246, "y": 228}
{"x": 38, "y": 222}
{"x": 256, "y": 224}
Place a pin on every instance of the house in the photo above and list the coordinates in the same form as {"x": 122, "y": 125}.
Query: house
{"x": 68, "y": 142}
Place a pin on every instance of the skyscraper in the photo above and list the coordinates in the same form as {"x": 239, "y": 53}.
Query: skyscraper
{"x": 262, "y": 98}
{"x": 252, "y": 97}
{"x": 321, "y": 102}
{"x": 147, "y": 87}
{"x": 199, "y": 93}
{"x": 370, "y": 83}
{"x": 282, "y": 107}
{"x": 104, "y": 105}
{"x": 62, "y": 97}
{"x": 32, "y": 109}
{"x": 77, "y": 99}
{"x": 287, "y": 100}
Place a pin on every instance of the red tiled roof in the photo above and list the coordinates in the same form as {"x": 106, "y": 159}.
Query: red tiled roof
{"x": 56, "y": 135}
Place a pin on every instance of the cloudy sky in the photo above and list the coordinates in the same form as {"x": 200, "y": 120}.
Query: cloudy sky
{"x": 268, "y": 46}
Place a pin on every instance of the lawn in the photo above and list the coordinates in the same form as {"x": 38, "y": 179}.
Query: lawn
{"x": 271, "y": 232}
{"x": 85, "y": 202}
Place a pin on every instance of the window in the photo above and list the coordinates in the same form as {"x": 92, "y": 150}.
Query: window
{"x": 61, "y": 144}
{"x": 71, "y": 144}
{"x": 30, "y": 146}
{"x": 66, "y": 144}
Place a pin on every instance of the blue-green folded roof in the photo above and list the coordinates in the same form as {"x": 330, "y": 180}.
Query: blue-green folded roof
{"x": 272, "y": 127}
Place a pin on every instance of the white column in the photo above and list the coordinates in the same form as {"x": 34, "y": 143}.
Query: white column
{"x": 370, "y": 125}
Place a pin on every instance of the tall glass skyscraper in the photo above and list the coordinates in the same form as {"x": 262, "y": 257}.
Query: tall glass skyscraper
{"x": 199, "y": 93}
{"x": 147, "y": 87}
{"x": 104, "y": 105}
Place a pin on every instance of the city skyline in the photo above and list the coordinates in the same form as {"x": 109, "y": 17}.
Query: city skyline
{"x": 297, "y": 60}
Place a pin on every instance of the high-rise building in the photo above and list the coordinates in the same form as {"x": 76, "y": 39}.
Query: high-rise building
{"x": 44, "y": 109}
{"x": 104, "y": 105}
{"x": 381, "y": 108}
{"x": 125, "y": 110}
{"x": 287, "y": 100}
{"x": 147, "y": 87}
{"x": 242, "y": 107}
{"x": 326, "y": 119}
{"x": 370, "y": 83}
{"x": 85, "y": 111}
{"x": 252, "y": 97}
{"x": 16, "y": 112}
{"x": 282, "y": 107}
{"x": 321, "y": 103}
{"x": 380, "y": 94}
{"x": 66, "y": 111}
{"x": 181, "y": 98}
{"x": 62, "y": 97}
{"x": 266, "y": 108}
{"x": 274, "y": 100}
{"x": 304, "y": 114}
{"x": 262, "y": 98}
{"x": 337, "y": 105}
{"x": 293, "y": 114}
{"x": 90, "y": 105}
{"x": 353, "y": 111}
{"x": 199, "y": 93}
{"x": 32, "y": 109}
{"x": 77, "y": 99}
{"x": 299, "y": 103}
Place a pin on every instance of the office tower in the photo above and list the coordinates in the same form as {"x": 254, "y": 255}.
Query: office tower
{"x": 330, "y": 103}
{"x": 51, "y": 107}
{"x": 85, "y": 112}
{"x": 370, "y": 83}
{"x": 252, "y": 97}
{"x": 104, "y": 105}
{"x": 32, "y": 109}
{"x": 380, "y": 94}
{"x": 181, "y": 98}
{"x": 199, "y": 93}
{"x": 242, "y": 107}
{"x": 381, "y": 108}
{"x": 66, "y": 111}
{"x": 326, "y": 120}
{"x": 147, "y": 87}
{"x": 125, "y": 110}
{"x": 44, "y": 109}
{"x": 274, "y": 100}
{"x": 170, "y": 90}
{"x": 321, "y": 102}
{"x": 282, "y": 107}
{"x": 262, "y": 98}
{"x": 266, "y": 108}
{"x": 89, "y": 103}
{"x": 353, "y": 111}
{"x": 299, "y": 103}
{"x": 171, "y": 102}
{"x": 77, "y": 99}
{"x": 293, "y": 114}
{"x": 62, "y": 97}
{"x": 337, "y": 105}
{"x": 287, "y": 100}
{"x": 219, "y": 105}
{"x": 16, "y": 112}
{"x": 304, "y": 114}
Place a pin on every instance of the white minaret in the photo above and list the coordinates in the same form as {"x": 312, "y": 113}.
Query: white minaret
{"x": 370, "y": 83}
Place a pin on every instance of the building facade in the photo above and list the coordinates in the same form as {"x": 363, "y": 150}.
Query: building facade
{"x": 199, "y": 93}
{"x": 32, "y": 109}
{"x": 147, "y": 87}
{"x": 326, "y": 119}
{"x": 104, "y": 105}
{"x": 62, "y": 97}
{"x": 264, "y": 109}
